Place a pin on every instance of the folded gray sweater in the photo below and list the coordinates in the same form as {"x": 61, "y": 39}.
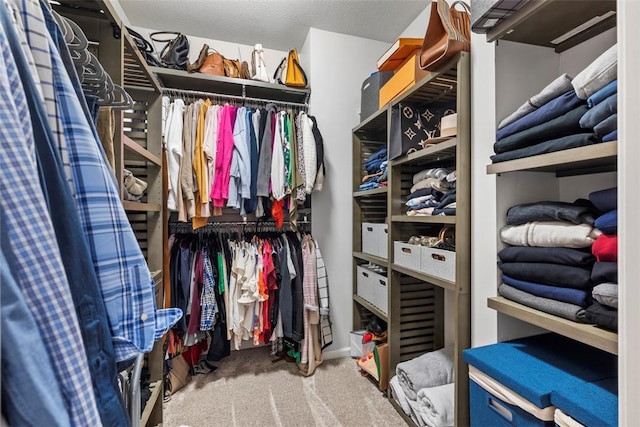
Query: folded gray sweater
{"x": 602, "y": 71}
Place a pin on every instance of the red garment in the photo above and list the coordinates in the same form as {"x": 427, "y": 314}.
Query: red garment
{"x": 192, "y": 353}
{"x": 277, "y": 212}
{"x": 605, "y": 248}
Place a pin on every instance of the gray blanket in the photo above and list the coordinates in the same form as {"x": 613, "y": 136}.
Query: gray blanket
{"x": 429, "y": 370}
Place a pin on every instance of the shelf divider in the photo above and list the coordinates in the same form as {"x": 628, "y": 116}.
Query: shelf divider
{"x": 445, "y": 284}
{"x": 138, "y": 149}
{"x": 374, "y": 192}
{"x": 371, "y": 258}
{"x": 140, "y": 207}
{"x": 432, "y": 219}
{"x": 372, "y": 308}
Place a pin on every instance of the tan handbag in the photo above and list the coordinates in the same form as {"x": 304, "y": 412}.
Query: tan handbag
{"x": 179, "y": 375}
{"x": 232, "y": 68}
{"x": 447, "y": 34}
{"x": 213, "y": 64}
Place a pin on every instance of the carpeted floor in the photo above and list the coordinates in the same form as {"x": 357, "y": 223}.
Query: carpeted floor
{"x": 249, "y": 390}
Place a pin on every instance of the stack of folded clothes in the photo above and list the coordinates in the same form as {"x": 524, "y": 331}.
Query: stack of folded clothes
{"x": 375, "y": 167}
{"x": 551, "y": 120}
{"x": 433, "y": 193}
{"x": 604, "y": 311}
{"x": 602, "y": 116}
{"x": 424, "y": 388}
{"x": 548, "y": 265}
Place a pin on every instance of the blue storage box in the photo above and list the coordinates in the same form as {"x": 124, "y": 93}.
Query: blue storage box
{"x": 488, "y": 410}
{"x": 593, "y": 404}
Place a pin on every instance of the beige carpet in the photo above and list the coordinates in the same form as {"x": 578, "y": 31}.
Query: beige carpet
{"x": 249, "y": 390}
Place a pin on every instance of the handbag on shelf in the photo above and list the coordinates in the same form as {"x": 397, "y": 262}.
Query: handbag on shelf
{"x": 296, "y": 76}
{"x": 448, "y": 33}
{"x": 145, "y": 48}
{"x": 246, "y": 74}
{"x": 175, "y": 54}
{"x": 277, "y": 75}
{"x": 258, "y": 67}
{"x": 213, "y": 64}
{"x": 195, "y": 66}
{"x": 232, "y": 68}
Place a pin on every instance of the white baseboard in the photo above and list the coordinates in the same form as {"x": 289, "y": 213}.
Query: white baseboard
{"x": 336, "y": 354}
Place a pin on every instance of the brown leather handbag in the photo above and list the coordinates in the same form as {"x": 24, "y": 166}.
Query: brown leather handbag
{"x": 213, "y": 64}
{"x": 448, "y": 32}
{"x": 232, "y": 68}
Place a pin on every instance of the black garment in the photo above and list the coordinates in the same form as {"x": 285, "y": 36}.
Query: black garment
{"x": 319, "y": 146}
{"x": 448, "y": 198}
{"x": 605, "y": 200}
{"x": 263, "y": 123}
{"x": 604, "y": 272}
{"x": 562, "y": 256}
{"x": 549, "y": 274}
{"x": 274, "y": 294}
{"x": 426, "y": 192}
{"x": 220, "y": 346}
{"x": 296, "y": 288}
{"x": 558, "y": 144}
{"x": 567, "y": 124}
{"x": 602, "y": 315}
{"x": 251, "y": 204}
{"x": 551, "y": 211}
{"x": 178, "y": 299}
{"x": 286, "y": 295}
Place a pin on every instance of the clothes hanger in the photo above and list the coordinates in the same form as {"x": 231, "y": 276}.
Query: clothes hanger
{"x": 80, "y": 41}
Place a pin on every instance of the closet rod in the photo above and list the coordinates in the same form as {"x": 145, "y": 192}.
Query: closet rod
{"x": 172, "y": 91}
{"x": 210, "y": 225}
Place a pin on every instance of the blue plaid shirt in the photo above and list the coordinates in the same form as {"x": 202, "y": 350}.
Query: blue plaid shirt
{"x": 23, "y": 210}
{"x": 125, "y": 280}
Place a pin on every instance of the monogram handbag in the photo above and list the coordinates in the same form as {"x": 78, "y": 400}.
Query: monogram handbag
{"x": 175, "y": 54}
{"x": 296, "y": 76}
{"x": 447, "y": 34}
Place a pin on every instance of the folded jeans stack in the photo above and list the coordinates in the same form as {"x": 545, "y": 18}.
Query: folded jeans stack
{"x": 375, "y": 167}
{"x": 433, "y": 193}
{"x": 548, "y": 266}
{"x": 602, "y": 116}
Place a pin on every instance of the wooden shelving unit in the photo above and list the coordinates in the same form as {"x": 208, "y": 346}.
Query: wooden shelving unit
{"x": 445, "y": 284}
{"x": 370, "y": 193}
{"x": 371, "y": 258}
{"x": 372, "y": 308}
{"x": 434, "y": 219}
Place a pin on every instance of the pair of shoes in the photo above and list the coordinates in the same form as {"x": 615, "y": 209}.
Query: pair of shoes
{"x": 204, "y": 367}
{"x": 429, "y": 241}
{"x": 135, "y": 186}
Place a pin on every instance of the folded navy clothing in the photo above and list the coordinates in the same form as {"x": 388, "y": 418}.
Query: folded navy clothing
{"x": 606, "y": 126}
{"x": 602, "y": 315}
{"x": 551, "y": 146}
{"x": 426, "y": 192}
{"x": 608, "y": 223}
{"x": 611, "y": 136}
{"x": 552, "y": 109}
{"x": 572, "y": 296}
{"x": 448, "y": 198}
{"x": 562, "y": 256}
{"x": 428, "y": 204}
{"x": 605, "y": 200}
{"x": 444, "y": 211}
{"x": 604, "y": 272}
{"x": 595, "y": 115}
{"x": 566, "y": 124}
{"x": 603, "y": 94}
{"x": 565, "y": 276}
{"x": 577, "y": 213}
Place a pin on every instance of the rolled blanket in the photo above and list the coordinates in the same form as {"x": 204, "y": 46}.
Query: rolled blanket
{"x": 435, "y": 405}
{"x": 608, "y": 223}
{"x": 566, "y": 124}
{"x": 600, "y": 112}
{"x": 562, "y": 256}
{"x": 557, "y": 87}
{"x": 602, "y": 71}
{"x": 552, "y": 109}
{"x": 549, "y": 234}
{"x": 565, "y": 310}
{"x": 429, "y": 370}
{"x": 603, "y": 272}
{"x": 558, "y": 144}
{"x": 568, "y": 295}
{"x": 606, "y": 294}
{"x": 565, "y": 276}
{"x": 605, "y": 200}
{"x": 551, "y": 211}
{"x": 399, "y": 395}
{"x": 601, "y": 315}
{"x": 603, "y": 94}
{"x": 606, "y": 126}
{"x": 605, "y": 248}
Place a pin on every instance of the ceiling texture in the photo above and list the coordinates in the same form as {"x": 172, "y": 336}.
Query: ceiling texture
{"x": 277, "y": 24}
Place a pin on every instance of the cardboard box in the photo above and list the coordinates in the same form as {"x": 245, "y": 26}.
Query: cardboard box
{"x": 403, "y": 79}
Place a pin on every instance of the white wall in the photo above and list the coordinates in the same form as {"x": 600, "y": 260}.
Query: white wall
{"x": 418, "y": 27}
{"x": 338, "y": 65}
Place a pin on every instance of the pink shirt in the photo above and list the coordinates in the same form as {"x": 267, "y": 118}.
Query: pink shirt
{"x": 220, "y": 190}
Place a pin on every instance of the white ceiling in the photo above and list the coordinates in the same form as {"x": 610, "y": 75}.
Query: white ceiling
{"x": 277, "y": 24}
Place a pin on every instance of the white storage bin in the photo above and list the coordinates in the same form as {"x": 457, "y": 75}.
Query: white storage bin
{"x": 382, "y": 235}
{"x": 407, "y": 255}
{"x": 380, "y": 295}
{"x": 370, "y": 238}
{"x": 439, "y": 263}
{"x": 365, "y": 288}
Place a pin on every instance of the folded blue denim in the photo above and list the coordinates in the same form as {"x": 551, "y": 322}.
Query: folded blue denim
{"x": 611, "y": 136}
{"x": 606, "y": 126}
{"x": 562, "y": 256}
{"x": 552, "y": 109}
{"x": 608, "y": 222}
{"x": 551, "y": 211}
{"x": 600, "y": 112}
{"x": 565, "y": 276}
{"x": 572, "y": 296}
{"x": 603, "y": 94}
{"x": 566, "y": 124}
{"x": 605, "y": 200}
{"x": 558, "y": 144}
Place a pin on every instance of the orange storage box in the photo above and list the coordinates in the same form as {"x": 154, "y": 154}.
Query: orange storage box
{"x": 403, "y": 79}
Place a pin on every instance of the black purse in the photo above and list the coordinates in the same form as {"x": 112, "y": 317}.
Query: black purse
{"x": 145, "y": 48}
{"x": 175, "y": 54}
